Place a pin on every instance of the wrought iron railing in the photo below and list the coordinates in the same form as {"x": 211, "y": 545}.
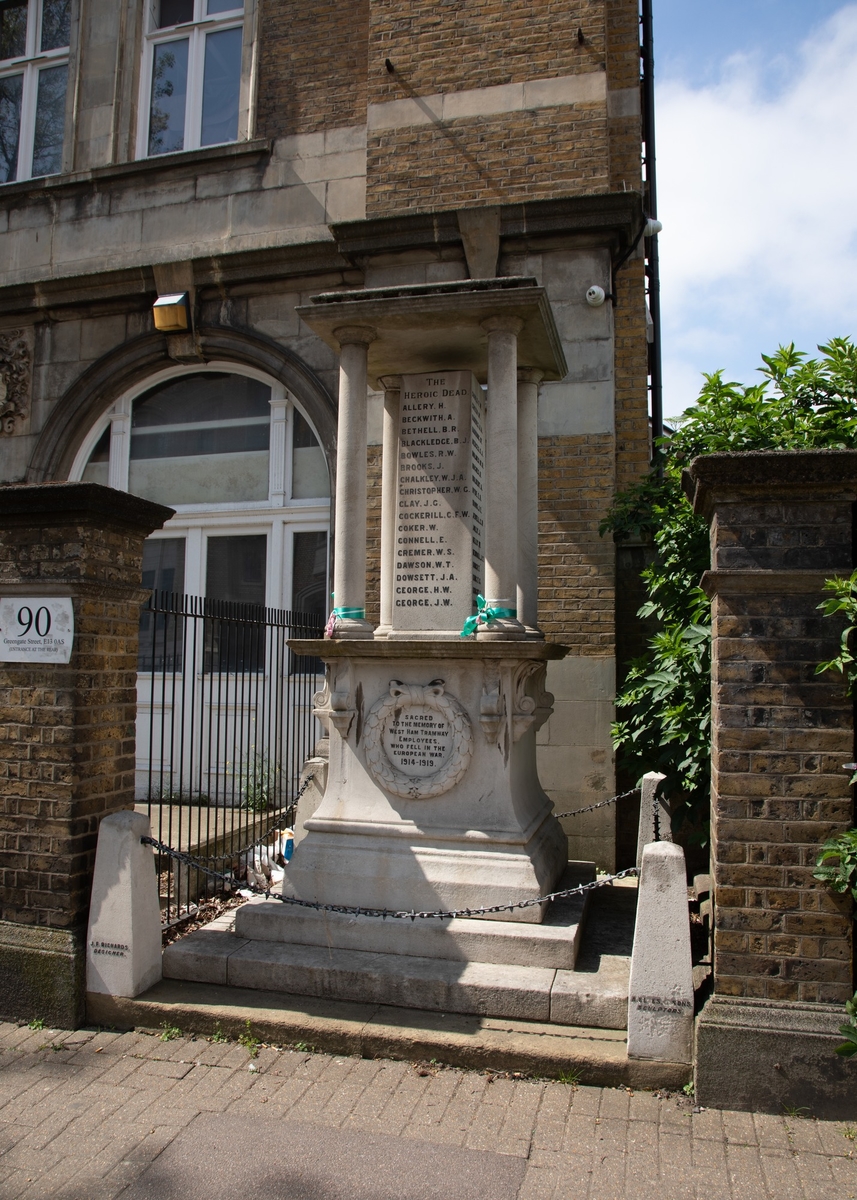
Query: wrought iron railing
{"x": 224, "y": 726}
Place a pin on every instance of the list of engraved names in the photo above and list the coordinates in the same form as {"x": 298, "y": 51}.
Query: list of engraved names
{"x": 439, "y": 522}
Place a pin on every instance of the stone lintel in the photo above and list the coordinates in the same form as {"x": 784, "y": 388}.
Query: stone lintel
{"x": 726, "y": 478}
{"x": 791, "y": 1047}
{"x": 775, "y": 583}
{"x": 423, "y": 327}
{"x": 424, "y": 648}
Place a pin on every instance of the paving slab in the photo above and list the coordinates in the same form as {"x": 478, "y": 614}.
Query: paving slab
{"x": 295, "y": 1160}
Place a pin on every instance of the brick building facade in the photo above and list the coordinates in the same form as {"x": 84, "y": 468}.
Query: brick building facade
{"x": 253, "y": 156}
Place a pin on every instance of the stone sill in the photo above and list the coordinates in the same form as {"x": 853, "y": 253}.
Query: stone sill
{"x": 233, "y": 153}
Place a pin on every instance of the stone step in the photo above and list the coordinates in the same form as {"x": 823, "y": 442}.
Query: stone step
{"x": 553, "y": 944}
{"x": 217, "y": 955}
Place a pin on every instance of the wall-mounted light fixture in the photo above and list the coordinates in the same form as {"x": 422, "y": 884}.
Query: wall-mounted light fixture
{"x": 172, "y": 313}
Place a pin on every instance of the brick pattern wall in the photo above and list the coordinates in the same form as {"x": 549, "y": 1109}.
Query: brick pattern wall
{"x": 451, "y": 47}
{"x": 630, "y": 350}
{"x": 312, "y": 66}
{"x": 623, "y": 69}
{"x": 576, "y": 566}
{"x": 780, "y": 737}
{"x": 490, "y": 160}
{"x": 67, "y": 731}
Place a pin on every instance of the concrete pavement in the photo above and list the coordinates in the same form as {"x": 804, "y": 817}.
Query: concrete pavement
{"x": 95, "y": 1115}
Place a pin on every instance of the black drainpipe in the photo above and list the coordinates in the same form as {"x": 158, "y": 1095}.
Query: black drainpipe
{"x": 651, "y": 208}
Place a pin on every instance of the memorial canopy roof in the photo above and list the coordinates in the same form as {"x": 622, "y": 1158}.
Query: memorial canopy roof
{"x": 426, "y": 327}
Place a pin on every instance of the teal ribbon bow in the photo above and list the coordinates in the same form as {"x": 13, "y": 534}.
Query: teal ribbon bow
{"x": 355, "y": 614}
{"x": 485, "y": 614}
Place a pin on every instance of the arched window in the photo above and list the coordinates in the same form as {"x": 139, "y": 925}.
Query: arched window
{"x": 236, "y": 457}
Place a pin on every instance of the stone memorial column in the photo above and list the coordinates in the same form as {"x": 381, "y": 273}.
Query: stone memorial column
{"x": 389, "y": 464}
{"x": 349, "y": 557}
{"x": 501, "y": 474}
{"x": 781, "y": 523}
{"x": 70, "y": 596}
{"x": 528, "y": 499}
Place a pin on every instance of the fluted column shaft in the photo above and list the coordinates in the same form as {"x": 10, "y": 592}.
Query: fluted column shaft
{"x": 349, "y": 558}
{"x": 528, "y": 498}
{"x": 501, "y": 472}
{"x": 390, "y": 448}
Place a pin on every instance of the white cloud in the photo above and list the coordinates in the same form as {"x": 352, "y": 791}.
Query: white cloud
{"x": 758, "y": 195}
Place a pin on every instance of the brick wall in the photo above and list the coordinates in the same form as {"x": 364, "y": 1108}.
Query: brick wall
{"x": 780, "y": 524}
{"x": 509, "y": 156}
{"x": 312, "y": 66}
{"x": 576, "y": 581}
{"x": 493, "y": 159}
{"x": 67, "y": 735}
{"x": 630, "y": 351}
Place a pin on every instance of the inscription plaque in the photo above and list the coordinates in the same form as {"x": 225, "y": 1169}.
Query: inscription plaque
{"x": 439, "y": 510}
{"x": 417, "y": 741}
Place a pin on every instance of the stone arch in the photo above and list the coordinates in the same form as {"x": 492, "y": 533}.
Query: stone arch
{"x": 134, "y": 361}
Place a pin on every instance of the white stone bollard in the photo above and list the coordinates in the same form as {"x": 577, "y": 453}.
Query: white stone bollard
{"x": 646, "y": 832}
{"x": 123, "y": 944}
{"x": 660, "y": 1002}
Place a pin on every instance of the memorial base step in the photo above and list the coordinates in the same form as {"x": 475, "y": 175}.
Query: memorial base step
{"x": 595, "y": 996}
{"x": 553, "y": 944}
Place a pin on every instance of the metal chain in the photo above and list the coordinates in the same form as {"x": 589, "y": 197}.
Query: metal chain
{"x": 290, "y": 807}
{"x": 358, "y": 911}
{"x": 601, "y": 804}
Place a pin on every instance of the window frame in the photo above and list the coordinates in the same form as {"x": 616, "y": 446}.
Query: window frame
{"x": 279, "y": 517}
{"x": 29, "y": 65}
{"x": 196, "y": 31}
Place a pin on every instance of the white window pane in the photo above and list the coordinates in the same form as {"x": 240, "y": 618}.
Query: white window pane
{"x": 13, "y": 28}
{"x": 96, "y": 470}
{"x": 309, "y": 574}
{"x": 222, "y": 6}
{"x": 163, "y": 564}
{"x": 50, "y": 121}
{"x": 174, "y": 12}
{"x": 310, "y": 478}
{"x": 221, "y": 85}
{"x": 202, "y": 439}
{"x": 169, "y": 96}
{"x": 235, "y": 568}
{"x": 10, "y": 126}
{"x": 56, "y": 24}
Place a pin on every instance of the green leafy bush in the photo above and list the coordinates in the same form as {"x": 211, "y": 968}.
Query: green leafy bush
{"x": 665, "y": 702}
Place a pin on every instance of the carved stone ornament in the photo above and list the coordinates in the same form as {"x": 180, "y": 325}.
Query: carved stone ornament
{"x": 334, "y": 704}
{"x": 530, "y": 710}
{"x": 417, "y": 741}
{"x": 15, "y": 363}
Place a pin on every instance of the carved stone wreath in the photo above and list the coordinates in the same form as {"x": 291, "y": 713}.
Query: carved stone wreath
{"x": 408, "y": 695}
{"x": 15, "y": 362}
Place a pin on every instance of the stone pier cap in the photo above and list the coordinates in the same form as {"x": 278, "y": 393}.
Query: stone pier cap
{"x": 725, "y": 476}
{"x": 423, "y": 327}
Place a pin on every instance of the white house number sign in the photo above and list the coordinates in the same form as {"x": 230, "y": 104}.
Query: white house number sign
{"x": 417, "y": 740}
{"x": 36, "y": 629}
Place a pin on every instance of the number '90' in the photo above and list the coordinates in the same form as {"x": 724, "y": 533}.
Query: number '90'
{"x": 41, "y": 622}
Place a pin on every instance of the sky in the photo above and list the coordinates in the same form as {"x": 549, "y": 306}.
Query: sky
{"x": 756, "y": 109}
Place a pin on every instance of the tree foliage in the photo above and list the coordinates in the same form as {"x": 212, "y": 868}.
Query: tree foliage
{"x": 665, "y": 703}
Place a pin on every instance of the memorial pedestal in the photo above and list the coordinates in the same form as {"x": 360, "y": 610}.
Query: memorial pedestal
{"x": 433, "y": 800}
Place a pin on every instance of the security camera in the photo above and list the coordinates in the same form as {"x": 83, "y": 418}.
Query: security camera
{"x": 596, "y": 296}
{"x": 653, "y": 227}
